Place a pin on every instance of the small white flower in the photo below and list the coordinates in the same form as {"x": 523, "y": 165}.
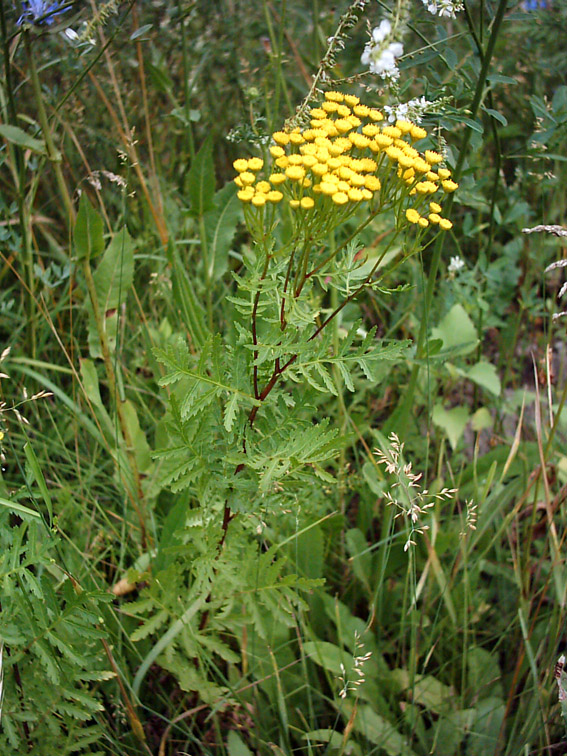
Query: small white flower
{"x": 381, "y": 52}
{"x": 456, "y": 264}
{"x": 447, "y": 8}
{"x": 413, "y": 110}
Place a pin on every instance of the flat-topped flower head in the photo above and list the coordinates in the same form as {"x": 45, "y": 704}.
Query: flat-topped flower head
{"x": 349, "y": 159}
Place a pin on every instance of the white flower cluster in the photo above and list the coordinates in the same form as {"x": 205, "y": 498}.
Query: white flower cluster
{"x": 443, "y": 7}
{"x": 413, "y": 110}
{"x": 380, "y": 53}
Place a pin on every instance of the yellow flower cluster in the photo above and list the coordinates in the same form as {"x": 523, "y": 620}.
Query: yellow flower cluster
{"x": 345, "y": 157}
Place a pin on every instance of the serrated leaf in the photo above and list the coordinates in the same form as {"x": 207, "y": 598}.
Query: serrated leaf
{"x": 201, "y": 187}
{"x": 88, "y": 231}
{"x": 230, "y": 412}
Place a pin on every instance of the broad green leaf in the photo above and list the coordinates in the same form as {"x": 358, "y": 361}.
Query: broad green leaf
{"x": 202, "y": 180}
{"x": 328, "y": 656}
{"x": 360, "y": 556}
{"x": 484, "y": 374}
{"x": 481, "y": 420}
{"x": 91, "y": 387}
{"x": 486, "y": 727}
{"x": 139, "y": 441}
{"x": 381, "y": 732}
{"x": 434, "y": 695}
{"x": 113, "y": 278}
{"x": 457, "y": 331}
{"x": 21, "y": 138}
{"x": 236, "y": 746}
{"x": 220, "y": 227}
{"x": 88, "y": 232}
{"x": 452, "y": 421}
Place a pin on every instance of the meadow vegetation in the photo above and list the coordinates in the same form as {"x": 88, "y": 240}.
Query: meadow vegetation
{"x": 283, "y": 376}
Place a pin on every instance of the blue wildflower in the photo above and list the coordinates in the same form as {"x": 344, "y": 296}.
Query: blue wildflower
{"x": 531, "y": 5}
{"x": 40, "y": 12}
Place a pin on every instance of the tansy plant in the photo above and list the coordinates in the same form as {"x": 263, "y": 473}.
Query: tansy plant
{"x": 247, "y": 441}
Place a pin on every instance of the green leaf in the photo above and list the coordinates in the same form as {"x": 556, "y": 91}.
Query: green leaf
{"x": 188, "y": 305}
{"x": 452, "y": 421}
{"x": 113, "y": 278}
{"x": 328, "y": 656}
{"x": 457, "y": 331}
{"x": 202, "y": 180}
{"x": 481, "y": 420}
{"x": 236, "y": 746}
{"x": 220, "y": 227}
{"x": 380, "y": 732}
{"x": 21, "y": 138}
{"x": 33, "y": 463}
{"x": 13, "y": 506}
{"x": 484, "y": 374}
{"x": 88, "y": 232}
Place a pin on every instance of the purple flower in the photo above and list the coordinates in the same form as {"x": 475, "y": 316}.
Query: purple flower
{"x": 40, "y": 12}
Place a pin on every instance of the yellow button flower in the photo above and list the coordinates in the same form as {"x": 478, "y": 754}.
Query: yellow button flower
{"x": 404, "y": 126}
{"x": 263, "y": 187}
{"x": 255, "y": 164}
{"x": 274, "y": 196}
{"x": 445, "y": 224}
{"x": 417, "y": 132}
{"x": 277, "y": 178}
{"x": 245, "y": 195}
{"x": 434, "y": 207}
{"x": 342, "y": 126}
{"x": 351, "y": 100}
{"x": 434, "y": 217}
{"x": 307, "y": 203}
{"x": 392, "y": 131}
{"x": 240, "y": 165}
{"x": 280, "y": 137}
{"x": 375, "y": 115}
{"x": 340, "y": 198}
{"x": 423, "y": 222}
{"x": 433, "y": 157}
{"x": 372, "y": 183}
{"x": 334, "y": 96}
{"x": 444, "y": 173}
{"x": 276, "y": 151}
{"x": 259, "y": 200}
{"x": 295, "y": 172}
{"x": 328, "y": 188}
{"x": 412, "y": 215}
{"x": 449, "y": 186}
{"x": 247, "y": 178}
